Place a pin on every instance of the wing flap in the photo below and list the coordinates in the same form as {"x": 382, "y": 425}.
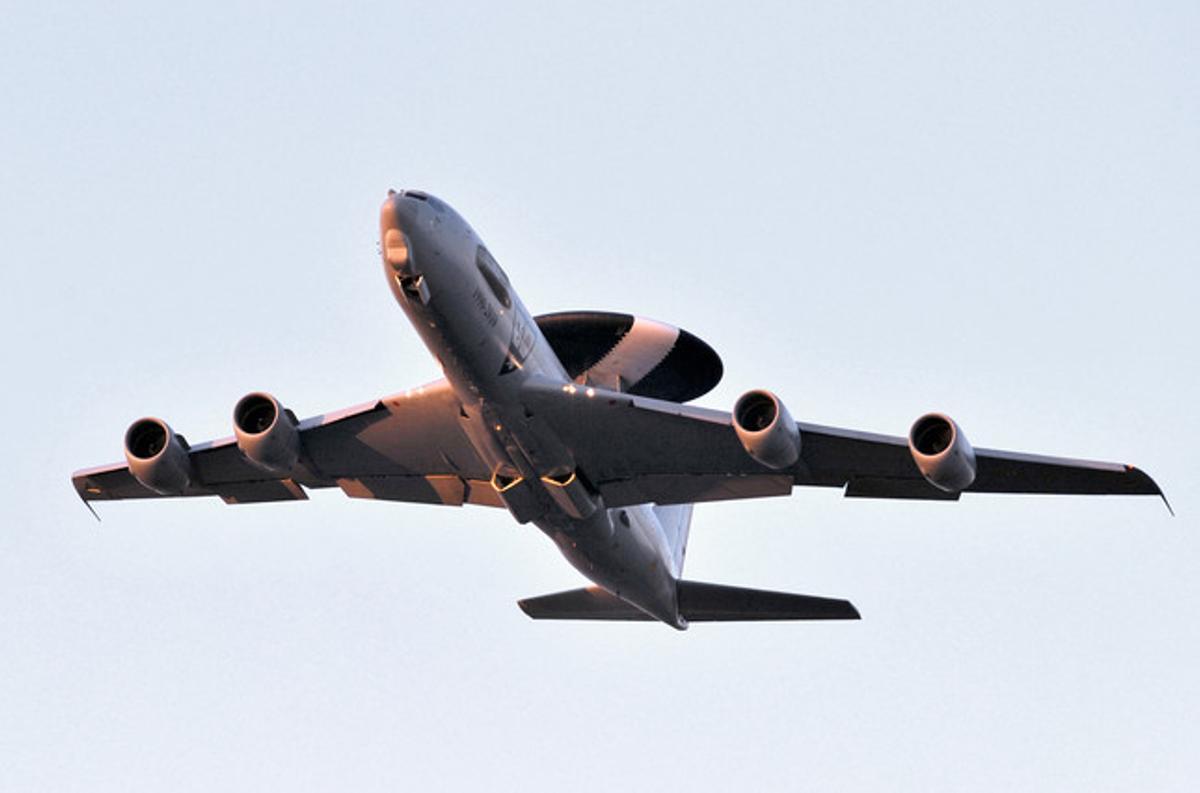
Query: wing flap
{"x": 882, "y": 487}
{"x": 693, "y": 488}
{"x": 448, "y": 490}
{"x": 260, "y": 492}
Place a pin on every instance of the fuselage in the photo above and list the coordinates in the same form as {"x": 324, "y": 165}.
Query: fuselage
{"x": 490, "y": 348}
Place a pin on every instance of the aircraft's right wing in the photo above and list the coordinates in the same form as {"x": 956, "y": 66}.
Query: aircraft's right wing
{"x": 638, "y": 450}
{"x": 407, "y": 447}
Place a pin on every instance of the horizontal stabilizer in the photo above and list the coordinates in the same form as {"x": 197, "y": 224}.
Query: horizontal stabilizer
{"x": 592, "y": 603}
{"x": 698, "y": 602}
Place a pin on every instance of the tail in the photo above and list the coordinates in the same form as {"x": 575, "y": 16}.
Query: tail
{"x": 698, "y": 602}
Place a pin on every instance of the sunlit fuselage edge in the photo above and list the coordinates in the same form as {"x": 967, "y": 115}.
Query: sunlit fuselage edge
{"x": 490, "y": 349}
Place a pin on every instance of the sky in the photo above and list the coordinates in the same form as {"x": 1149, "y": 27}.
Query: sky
{"x": 873, "y": 209}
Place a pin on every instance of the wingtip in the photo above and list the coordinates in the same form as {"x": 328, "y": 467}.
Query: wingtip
{"x": 1149, "y": 487}
{"x": 90, "y": 508}
{"x": 1159, "y": 491}
{"x": 77, "y": 483}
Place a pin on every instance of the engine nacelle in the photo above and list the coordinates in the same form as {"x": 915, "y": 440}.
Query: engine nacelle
{"x": 157, "y": 457}
{"x": 942, "y": 453}
{"x": 766, "y": 429}
{"x": 266, "y": 432}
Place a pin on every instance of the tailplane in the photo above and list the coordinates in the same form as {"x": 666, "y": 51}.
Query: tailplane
{"x": 698, "y": 602}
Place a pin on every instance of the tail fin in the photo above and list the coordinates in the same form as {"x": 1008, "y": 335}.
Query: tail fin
{"x": 676, "y": 520}
{"x": 698, "y": 602}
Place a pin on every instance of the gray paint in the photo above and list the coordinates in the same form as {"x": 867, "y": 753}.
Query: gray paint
{"x": 589, "y": 466}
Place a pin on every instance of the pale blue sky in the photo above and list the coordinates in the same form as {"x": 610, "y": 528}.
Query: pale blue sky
{"x": 873, "y": 210}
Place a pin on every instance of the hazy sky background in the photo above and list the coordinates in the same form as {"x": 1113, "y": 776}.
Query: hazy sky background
{"x": 873, "y": 209}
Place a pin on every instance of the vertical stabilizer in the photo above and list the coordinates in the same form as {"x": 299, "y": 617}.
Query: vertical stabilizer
{"x": 676, "y": 521}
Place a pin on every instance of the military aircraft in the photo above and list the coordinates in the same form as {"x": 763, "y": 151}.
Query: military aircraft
{"x": 575, "y": 422}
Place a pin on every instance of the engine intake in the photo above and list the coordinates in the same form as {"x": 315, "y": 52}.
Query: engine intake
{"x": 766, "y": 429}
{"x": 942, "y": 453}
{"x": 266, "y": 432}
{"x": 157, "y": 457}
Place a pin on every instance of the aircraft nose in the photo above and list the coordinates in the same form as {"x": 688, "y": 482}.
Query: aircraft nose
{"x": 397, "y": 217}
{"x": 401, "y": 208}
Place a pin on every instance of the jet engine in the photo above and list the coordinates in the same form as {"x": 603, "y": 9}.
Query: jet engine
{"x": 942, "y": 453}
{"x": 766, "y": 429}
{"x": 157, "y": 457}
{"x": 266, "y": 432}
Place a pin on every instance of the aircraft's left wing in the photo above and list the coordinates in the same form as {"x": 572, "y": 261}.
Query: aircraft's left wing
{"x": 407, "y": 447}
{"x": 637, "y": 450}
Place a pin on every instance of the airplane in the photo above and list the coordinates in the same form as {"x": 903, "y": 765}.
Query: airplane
{"x": 575, "y": 422}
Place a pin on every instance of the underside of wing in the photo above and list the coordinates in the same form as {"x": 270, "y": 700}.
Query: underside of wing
{"x": 882, "y": 466}
{"x": 408, "y": 447}
{"x": 635, "y": 450}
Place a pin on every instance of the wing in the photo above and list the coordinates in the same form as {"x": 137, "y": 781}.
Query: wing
{"x": 638, "y": 450}
{"x": 407, "y": 447}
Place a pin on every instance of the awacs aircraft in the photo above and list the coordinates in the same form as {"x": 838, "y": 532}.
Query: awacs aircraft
{"x": 574, "y": 422}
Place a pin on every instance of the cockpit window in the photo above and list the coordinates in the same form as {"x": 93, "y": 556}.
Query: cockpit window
{"x": 495, "y": 277}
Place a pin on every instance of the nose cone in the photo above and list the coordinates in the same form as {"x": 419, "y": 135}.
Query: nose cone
{"x": 400, "y": 210}
{"x": 397, "y": 218}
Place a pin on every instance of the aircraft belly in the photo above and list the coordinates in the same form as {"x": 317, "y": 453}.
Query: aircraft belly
{"x": 625, "y": 552}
